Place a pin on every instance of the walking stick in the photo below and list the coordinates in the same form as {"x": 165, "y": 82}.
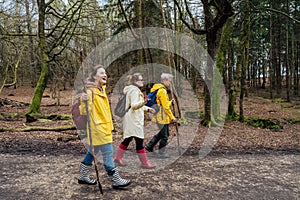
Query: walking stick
{"x": 176, "y": 124}
{"x": 89, "y": 127}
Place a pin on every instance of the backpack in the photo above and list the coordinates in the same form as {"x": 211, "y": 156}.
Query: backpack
{"x": 120, "y": 109}
{"x": 151, "y": 98}
{"x": 151, "y": 102}
{"x": 80, "y": 120}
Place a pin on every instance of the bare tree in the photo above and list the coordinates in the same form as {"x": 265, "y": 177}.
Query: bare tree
{"x": 61, "y": 33}
{"x": 216, "y": 14}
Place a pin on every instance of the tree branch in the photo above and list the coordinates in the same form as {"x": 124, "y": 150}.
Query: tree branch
{"x": 224, "y": 11}
{"x": 190, "y": 13}
{"x": 283, "y": 13}
{"x": 194, "y": 30}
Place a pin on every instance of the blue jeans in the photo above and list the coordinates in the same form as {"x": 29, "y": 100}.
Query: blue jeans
{"x": 107, "y": 154}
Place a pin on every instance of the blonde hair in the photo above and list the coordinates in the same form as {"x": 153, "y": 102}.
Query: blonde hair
{"x": 133, "y": 78}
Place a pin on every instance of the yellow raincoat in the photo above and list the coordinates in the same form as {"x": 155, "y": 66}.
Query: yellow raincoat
{"x": 165, "y": 115}
{"x": 99, "y": 115}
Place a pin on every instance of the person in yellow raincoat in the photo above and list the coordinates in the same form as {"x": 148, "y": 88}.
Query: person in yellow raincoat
{"x": 164, "y": 117}
{"x": 101, "y": 127}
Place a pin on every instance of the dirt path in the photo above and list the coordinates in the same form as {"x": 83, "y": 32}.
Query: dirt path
{"x": 266, "y": 176}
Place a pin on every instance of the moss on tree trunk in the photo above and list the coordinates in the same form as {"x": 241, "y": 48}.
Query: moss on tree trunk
{"x": 42, "y": 82}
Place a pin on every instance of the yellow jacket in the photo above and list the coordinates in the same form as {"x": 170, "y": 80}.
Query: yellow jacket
{"x": 99, "y": 115}
{"x": 165, "y": 115}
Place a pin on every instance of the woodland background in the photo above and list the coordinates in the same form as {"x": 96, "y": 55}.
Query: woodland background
{"x": 255, "y": 45}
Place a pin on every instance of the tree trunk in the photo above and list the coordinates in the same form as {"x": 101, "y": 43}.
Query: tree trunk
{"x": 264, "y": 81}
{"x": 277, "y": 48}
{"x": 273, "y": 59}
{"x": 245, "y": 38}
{"x": 140, "y": 25}
{"x": 31, "y": 45}
{"x": 211, "y": 38}
{"x": 42, "y": 82}
{"x": 287, "y": 64}
{"x": 297, "y": 67}
{"x": 220, "y": 63}
{"x": 231, "y": 87}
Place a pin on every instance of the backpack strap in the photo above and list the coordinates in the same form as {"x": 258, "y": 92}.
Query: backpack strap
{"x": 127, "y": 109}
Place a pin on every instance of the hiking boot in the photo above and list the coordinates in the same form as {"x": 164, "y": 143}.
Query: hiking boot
{"x": 84, "y": 178}
{"x": 148, "y": 149}
{"x": 117, "y": 181}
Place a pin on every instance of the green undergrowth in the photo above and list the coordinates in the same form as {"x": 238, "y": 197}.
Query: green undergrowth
{"x": 265, "y": 123}
{"x": 293, "y": 121}
{"x": 273, "y": 124}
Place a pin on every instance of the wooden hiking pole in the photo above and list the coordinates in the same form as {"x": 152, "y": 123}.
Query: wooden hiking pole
{"x": 176, "y": 123}
{"x": 170, "y": 63}
{"x": 89, "y": 126}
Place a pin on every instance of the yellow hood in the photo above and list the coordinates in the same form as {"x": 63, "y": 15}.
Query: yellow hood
{"x": 157, "y": 86}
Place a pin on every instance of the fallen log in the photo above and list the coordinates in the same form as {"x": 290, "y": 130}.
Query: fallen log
{"x": 54, "y": 117}
{"x": 37, "y": 128}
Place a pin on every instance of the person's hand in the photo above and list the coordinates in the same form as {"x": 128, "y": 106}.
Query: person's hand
{"x": 174, "y": 120}
{"x": 85, "y": 96}
{"x": 145, "y": 98}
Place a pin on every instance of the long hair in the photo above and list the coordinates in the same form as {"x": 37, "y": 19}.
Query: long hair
{"x": 131, "y": 79}
{"x": 94, "y": 72}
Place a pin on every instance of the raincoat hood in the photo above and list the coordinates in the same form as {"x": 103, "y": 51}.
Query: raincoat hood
{"x": 157, "y": 86}
{"x": 129, "y": 88}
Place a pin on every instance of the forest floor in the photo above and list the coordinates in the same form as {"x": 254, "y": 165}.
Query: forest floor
{"x": 245, "y": 163}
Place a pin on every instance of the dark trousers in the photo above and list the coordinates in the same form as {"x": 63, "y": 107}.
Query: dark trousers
{"x": 138, "y": 142}
{"x": 162, "y": 137}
